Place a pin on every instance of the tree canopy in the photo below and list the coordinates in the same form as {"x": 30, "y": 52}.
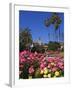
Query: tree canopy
{"x": 25, "y": 39}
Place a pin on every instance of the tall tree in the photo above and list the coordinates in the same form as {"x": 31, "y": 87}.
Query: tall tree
{"x": 56, "y": 21}
{"x": 25, "y": 38}
{"x": 47, "y": 24}
{"x": 57, "y": 24}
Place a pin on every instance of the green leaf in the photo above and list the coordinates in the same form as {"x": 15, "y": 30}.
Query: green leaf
{"x": 56, "y": 26}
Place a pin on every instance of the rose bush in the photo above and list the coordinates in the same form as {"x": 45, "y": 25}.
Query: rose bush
{"x": 37, "y": 65}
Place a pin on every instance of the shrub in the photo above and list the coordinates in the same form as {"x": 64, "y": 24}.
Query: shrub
{"x": 53, "y": 46}
{"x": 24, "y": 74}
{"x": 38, "y": 49}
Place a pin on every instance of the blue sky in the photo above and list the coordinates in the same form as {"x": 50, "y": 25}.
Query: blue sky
{"x": 34, "y": 20}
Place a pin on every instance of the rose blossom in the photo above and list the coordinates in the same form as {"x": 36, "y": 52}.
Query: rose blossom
{"x": 22, "y": 60}
{"x": 42, "y": 65}
{"x": 31, "y": 70}
{"x": 54, "y": 69}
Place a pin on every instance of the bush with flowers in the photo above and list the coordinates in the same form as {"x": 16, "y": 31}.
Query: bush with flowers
{"x": 40, "y": 65}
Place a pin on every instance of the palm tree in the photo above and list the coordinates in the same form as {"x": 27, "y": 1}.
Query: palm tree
{"x": 47, "y": 24}
{"x": 56, "y": 21}
{"x": 57, "y": 25}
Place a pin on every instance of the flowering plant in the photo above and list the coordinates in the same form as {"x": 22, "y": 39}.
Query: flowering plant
{"x": 37, "y": 65}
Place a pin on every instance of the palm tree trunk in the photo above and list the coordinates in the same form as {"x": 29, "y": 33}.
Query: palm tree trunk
{"x": 48, "y": 36}
{"x": 59, "y": 34}
{"x": 55, "y": 35}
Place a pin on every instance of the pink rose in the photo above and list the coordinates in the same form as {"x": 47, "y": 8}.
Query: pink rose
{"x": 22, "y": 60}
{"x": 49, "y": 65}
{"x": 31, "y": 70}
{"x": 50, "y": 59}
{"x": 42, "y": 65}
{"x": 54, "y": 69}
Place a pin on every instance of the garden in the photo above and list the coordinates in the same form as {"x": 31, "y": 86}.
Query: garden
{"x": 38, "y": 65}
{"x": 41, "y": 47}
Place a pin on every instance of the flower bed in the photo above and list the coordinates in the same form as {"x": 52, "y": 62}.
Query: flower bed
{"x": 37, "y": 65}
